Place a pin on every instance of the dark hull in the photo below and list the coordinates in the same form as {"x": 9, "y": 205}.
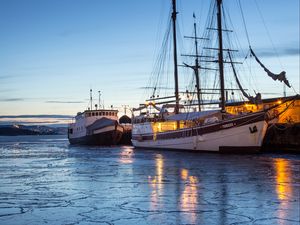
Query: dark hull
{"x": 105, "y": 138}
{"x": 126, "y": 138}
{"x": 283, "y": 136}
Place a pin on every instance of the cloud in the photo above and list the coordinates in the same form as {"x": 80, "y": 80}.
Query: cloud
{"x": 158, "y": 87}
{"x": 37, "y": 116}
{"x": 292, "y": 51}
{"x": 288, "y": 51}
{"x": 4, "y": 77}
{"x": 64, "y": 102}
{"x": 11, "y": 99}
{"x": 7, "y": 90}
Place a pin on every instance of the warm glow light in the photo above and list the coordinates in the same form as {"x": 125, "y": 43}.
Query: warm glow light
{"x": 159, "y": 127}
{"x": 184, "y": 174}
{"x": 279, "y": 102}
{"x": 283, "y": 178}
{"x": 156, "y": 183}
{"x": 154, "y": 136}
{"x": 283, "y": 185}
{"x": 189, "y": 195}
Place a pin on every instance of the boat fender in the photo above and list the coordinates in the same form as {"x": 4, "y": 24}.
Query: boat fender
{"x": 195, "y": 142}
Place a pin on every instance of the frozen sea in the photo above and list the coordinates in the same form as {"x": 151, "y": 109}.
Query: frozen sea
{"x": 44, "y": 180}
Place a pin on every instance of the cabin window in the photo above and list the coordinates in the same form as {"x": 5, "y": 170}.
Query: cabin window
{"x": 93, "y": 114}
{"x": 96, "y": 113}
{"x": 70, "y": 131}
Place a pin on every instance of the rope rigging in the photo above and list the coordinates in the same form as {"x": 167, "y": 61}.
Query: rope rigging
{"x": 282, "y": 75}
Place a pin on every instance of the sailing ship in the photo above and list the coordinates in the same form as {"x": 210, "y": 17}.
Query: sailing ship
{"x": 96, "y": 127}
{"x": 172, "y": 126}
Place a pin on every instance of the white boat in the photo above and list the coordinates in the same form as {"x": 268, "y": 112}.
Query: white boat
{"x": 172, "y": 126}
{"x": 96, "y": 127}
{"x": 204, "y": 131}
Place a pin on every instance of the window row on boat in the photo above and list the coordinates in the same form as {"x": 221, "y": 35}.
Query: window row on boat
{"x": 101, "y": 113}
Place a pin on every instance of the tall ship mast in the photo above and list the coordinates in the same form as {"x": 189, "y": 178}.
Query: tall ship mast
{"x": 173, "y": 126}
{"x": 174, "y": 15}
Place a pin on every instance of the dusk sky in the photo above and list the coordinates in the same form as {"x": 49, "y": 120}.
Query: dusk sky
{"x": 54, "y": 51}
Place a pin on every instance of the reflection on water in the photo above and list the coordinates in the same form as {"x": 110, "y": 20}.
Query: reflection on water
{"x": 126, "y": 155}
{"x": 189, "y": 195}
{"x": 283, "y": 184}
{"x": 184, "y": 174}
{"x": 283, "y": 179}
{"x": 43, "y": 181}
{"x": 157, "y": 183}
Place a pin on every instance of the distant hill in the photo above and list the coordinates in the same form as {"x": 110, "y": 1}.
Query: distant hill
{"x": 14, "y": 130}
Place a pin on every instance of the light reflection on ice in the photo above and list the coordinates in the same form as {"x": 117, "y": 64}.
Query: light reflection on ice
{"x": 47, "y": 181}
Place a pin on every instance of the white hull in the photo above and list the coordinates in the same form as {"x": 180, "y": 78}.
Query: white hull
{"x": 95, "y": 127}
{"x": 238, "y": 138}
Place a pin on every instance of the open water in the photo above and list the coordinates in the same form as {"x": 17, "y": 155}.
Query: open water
{"x": 44, "y": 180}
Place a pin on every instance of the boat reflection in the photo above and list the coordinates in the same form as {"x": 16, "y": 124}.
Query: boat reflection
{"x": 187, "y": 190}
{"x": 126, "y": 155}
{"x": 283, "y": 179}
{"x": 189, "y": 195}
{"x": 284, "y": 190}
{"x": 156, "y": 183}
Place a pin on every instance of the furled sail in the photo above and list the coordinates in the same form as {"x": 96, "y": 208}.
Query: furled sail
{"x": 254, "y": 100}
{"x": 281, "y": 77}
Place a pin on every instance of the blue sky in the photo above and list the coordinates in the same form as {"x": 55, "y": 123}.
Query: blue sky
{"x": 54, "y": 51}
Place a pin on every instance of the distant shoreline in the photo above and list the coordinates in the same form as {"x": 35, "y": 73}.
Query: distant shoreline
{"x": 18, "y": 130}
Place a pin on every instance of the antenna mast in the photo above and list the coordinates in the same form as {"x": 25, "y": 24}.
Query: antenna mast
{"x": 99, "y": 92}
{"x": 91, "y": 98}
{"x": 174, "y": 13}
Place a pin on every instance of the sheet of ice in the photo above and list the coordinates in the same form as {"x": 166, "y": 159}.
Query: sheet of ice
{"x": 44, "y": 180}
